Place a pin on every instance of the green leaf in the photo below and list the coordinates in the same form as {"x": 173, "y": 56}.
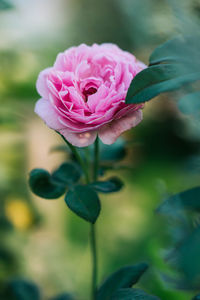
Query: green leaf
{"x": 172, "y": 65}
{"x": 5, "y": 5}
{"x": 158, "y": 79}
{"x": 197, "y": 297}
{"x": 63, "y": 297}
{"x": 67, "y": 174}
{"x": 190, "y": 104}
{"x": 111, "y": 185}
{"x": 19, "y": 289}
{"x": 183, "y": 49}
{"x": 8, "y": 259}
{"x": 84, "y": 202}
{"x": 43, "y": 186}
{"x": 132, "y": 294}
{"x": 185, "y": 259}
{"x": 114, "y": 152}
{"x": 123, "y": 278}
{"x": 189, "y": 200}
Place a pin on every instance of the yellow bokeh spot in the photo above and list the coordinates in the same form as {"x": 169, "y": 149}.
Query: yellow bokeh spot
{"x": 18, "y": 213}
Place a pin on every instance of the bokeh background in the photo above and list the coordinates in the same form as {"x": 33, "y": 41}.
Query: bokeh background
{"x": 42, "y": 240}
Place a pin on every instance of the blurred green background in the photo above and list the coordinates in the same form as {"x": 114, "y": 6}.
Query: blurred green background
{"x": 42, "y": 240}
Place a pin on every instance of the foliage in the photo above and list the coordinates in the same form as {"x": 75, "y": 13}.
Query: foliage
{"x": 126, "y": 277}
{"x": 173, "y": 65}
{"x": 4, "y": 4}
{"x": 183, "y": 211}
{"x": 83, "y": 200}
{"x": 20, "y": 289}
{"x": 132, "y": 294}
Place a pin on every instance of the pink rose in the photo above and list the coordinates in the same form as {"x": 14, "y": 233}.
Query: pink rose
{"x": 83, "y": 94}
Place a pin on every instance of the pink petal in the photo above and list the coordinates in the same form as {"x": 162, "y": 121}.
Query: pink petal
{"x": 83, "y": 139}
{"x": 110, "y": 132}
{"x": 45, "y": 111}
{"x": 96, "y": 98}
{"x": 41, "y": 83}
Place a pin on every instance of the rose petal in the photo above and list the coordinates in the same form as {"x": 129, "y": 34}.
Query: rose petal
{"x": 45, "y": 110}
{"x": 110, "y": 132}
{"x": 83, "y": 139}
{"x": 41, "y": 84}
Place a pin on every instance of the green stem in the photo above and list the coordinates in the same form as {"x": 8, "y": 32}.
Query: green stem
{"x": 94, "y": 262}
{"x": 93, "y": 235}
{"x": 78, "y": 158}
{"x": 96, "y": 159}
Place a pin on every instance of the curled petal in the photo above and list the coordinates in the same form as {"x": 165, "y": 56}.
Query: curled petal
{"x": 45, "y": 110}
{"x": 110, "y": 132}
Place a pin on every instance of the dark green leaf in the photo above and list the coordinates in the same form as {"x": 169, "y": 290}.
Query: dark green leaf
{"x": 63, "y": 297}
{"x": 111, "y": 185}
{"x": 158, "y": 79}
{"x": 114, "y": 152}
{"x": 67, "y": 174}
{"x": 197, "y": 297}
{"x": 84, "y": 201}
{"x": 123, "y": 278}
{"x": 132, "y": 294}
{"x": 43, "y": 186}
{"x": 19, "y": 289}
{"x": 185, "y": 259}
{"x": 5, "y": 224}
{"x": 183, "y": 49}
{"x": 8, "y": 259}
{"x": 172, "y": 65}
{"x": 189, "y": 200}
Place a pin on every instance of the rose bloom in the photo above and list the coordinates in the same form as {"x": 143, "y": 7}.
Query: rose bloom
{"x": 84, "y": 93}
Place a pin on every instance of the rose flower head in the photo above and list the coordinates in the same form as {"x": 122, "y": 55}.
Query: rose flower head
{"x": 83, "y": 94}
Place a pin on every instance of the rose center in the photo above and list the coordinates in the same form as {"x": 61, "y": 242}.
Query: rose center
{"x": 88, "y": 92}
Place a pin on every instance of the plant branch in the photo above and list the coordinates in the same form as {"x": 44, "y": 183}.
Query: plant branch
{"x": 78, "y": 158}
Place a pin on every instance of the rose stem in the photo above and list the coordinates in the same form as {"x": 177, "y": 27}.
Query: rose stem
{"x": 96, "y": 159}
{"x": 78, "y": 158}
{"x": 94, "y": 262}
{"x": 92, "y": 233}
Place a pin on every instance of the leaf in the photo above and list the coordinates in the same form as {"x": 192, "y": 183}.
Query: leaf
{"x": 43, "y": 186}
{"x": 114, "y": 152}
{"x": 190, "y": 104}
{"x": 185, "y": 259}
{"x": 84, "y": 202}
{"x": 172, "y": 65}
{"x": 123, "y": 278}
{"x": 8, "y": 260}
{"x": 20, "y": 289}
{"x": 63, "y": 297}
{"x": 5, "y": 5}
{"x": 189, "y": 200}
{"x": 158, "y": 79}
{"x": 5, "y": 224}
{"x": 182, "y": 49}
{"x": 111, "y": 185}
{"x": 184, "y": 255}
{"x": 132, "y": 294}
{"x": 67, "y": 174}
